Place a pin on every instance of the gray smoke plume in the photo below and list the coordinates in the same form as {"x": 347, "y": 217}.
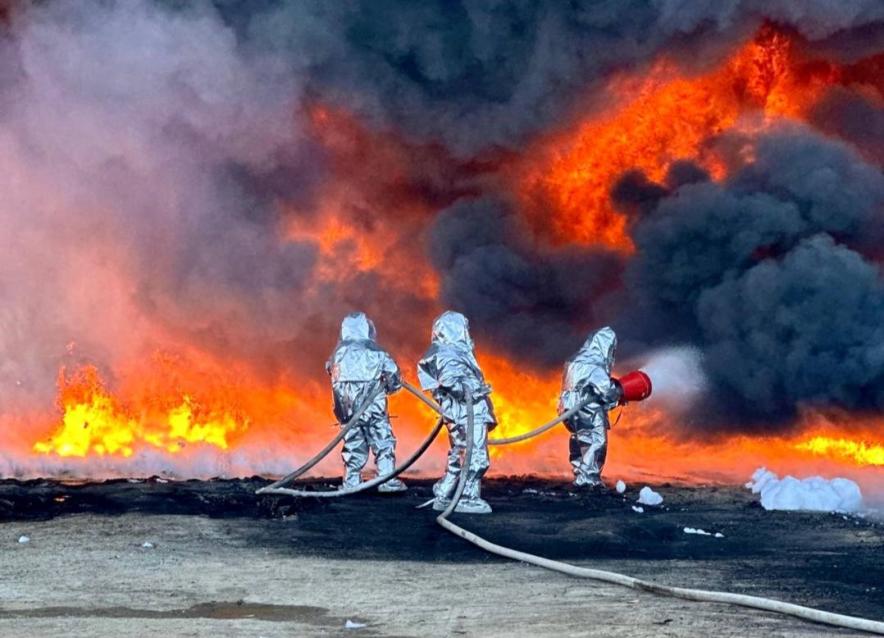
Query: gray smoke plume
{"x": 125, "y": 220}
{"x": 854, "y": 118}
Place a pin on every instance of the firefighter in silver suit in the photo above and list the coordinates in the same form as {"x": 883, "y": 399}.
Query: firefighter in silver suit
{"x": 358, "y": 367}
{"x": 449, "y": 370}
{"x": 588, "y": 375}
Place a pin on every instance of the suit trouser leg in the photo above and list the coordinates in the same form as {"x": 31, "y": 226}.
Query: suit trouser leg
{"x": 589, "y": 448}
{"x": 354, "y": 454}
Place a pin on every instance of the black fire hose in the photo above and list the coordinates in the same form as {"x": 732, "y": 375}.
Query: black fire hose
{"x": 367, "y": 485}
{"x": 276, "y": 488}
{"x": 288, "y": 478}
{"x": 755, "y": 602}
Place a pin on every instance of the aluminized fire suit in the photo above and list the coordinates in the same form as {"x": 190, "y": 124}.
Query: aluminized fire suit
{"x": 588, "y": 375}
{"x": 448, "y": 369}
{"x": 357, "y": 367}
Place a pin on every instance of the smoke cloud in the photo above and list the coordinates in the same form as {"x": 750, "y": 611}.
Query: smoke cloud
{"x": 855, "y": 119}
{"x": 523, "y": 297}
{"x": 767, "y": 274}
{"x": 477, "y": 74}
{"x": 124, "y": 222}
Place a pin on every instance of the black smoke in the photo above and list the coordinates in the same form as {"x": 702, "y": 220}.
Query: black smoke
{"x": 769, "y": 274}
{"x": 477, "y": 74}
{"x": 526, "y": 298}
{"x": 801, "y": 330}
{"x": 854, "y": 118}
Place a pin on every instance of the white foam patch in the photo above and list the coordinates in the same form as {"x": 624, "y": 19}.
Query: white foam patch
{"x": 813, "y": 494}
{"x": 647, "y": 496}
{"x": 702, "y": 532}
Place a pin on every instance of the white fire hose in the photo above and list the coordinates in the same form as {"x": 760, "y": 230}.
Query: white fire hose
{"x": 754, "y": 602}
{"x": 277, "y": 487}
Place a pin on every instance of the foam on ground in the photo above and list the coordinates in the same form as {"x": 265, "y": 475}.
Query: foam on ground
{"x": 813, "y": 494}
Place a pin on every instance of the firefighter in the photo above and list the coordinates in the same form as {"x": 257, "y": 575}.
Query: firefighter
{"x": 588, "y": 376}
{"x": 450, "y": 371}
{"x": 359, "y": 367}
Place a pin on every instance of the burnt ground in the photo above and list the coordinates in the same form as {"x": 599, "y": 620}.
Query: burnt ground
{"x": 823, "y": 560}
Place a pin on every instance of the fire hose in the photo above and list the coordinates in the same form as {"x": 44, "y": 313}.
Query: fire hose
{"x": 701, "y": 595}
{"x": 366, "y": 485}
{"x": 277, "y": 486}
{"x": 288, "y": 478}
{"x": 513, "y": 439}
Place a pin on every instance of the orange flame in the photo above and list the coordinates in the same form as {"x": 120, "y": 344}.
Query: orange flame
{"x": 859, "y": 452}
{"x": 94, "y": 422}
{"x": 654, "y": 121}
{"x": 658, "y": 119}
{"x": 643, "y": 444}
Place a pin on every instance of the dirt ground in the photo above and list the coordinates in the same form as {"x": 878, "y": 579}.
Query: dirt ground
{"x": 221, "y": 563}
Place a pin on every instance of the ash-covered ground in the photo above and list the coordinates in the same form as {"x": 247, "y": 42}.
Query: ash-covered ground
{"x": 221, "y": 561}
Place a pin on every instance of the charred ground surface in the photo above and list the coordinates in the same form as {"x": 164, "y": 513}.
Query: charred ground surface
{"x": 825, "y": 560}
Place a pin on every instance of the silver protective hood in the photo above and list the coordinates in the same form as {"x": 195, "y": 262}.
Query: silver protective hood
{"x": 592, "y": 365}
{"x": 358, "y": 358}
{"x": 357, "y": 327}
{"x": 453, "y": 329}
{"x": 450, "y": 343}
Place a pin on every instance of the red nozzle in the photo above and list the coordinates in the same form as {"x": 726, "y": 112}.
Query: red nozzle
{"x": 636, "y": 386}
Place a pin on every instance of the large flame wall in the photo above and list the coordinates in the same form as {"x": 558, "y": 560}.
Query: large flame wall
{"x": 161, "y": 317}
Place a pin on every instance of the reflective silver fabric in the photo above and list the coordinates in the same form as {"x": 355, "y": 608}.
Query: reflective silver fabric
{"x": 588, "y": 375}
{"x": 358, "y": 357}
{"x": 479, "y": 462}
{"x": 448, "y": 368}
{"x": 588, "y": 447}
{"x": 356, "y": 366}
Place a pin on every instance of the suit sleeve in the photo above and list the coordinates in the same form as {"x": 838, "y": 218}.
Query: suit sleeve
{"x": 392, "y": 376}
